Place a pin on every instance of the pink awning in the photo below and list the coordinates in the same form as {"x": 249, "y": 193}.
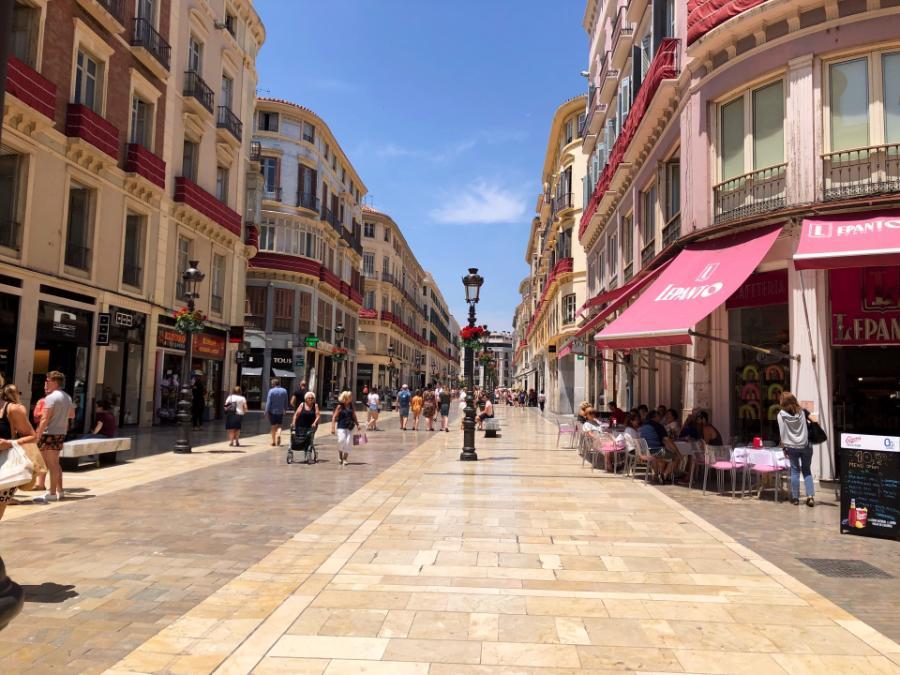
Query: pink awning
{"x": 857, "y": 240}
{"x": 619, "y": 297}
{"x": 565, "y": 351}
{"x": 700, "y": 278}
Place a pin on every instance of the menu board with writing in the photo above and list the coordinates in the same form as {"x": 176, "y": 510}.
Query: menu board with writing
{"x": 870, "y": 477}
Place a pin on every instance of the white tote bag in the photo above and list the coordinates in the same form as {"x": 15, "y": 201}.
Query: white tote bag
{"x": 15, "y": 467}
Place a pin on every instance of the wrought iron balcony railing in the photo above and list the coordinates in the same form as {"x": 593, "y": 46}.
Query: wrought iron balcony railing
{"x": 753, "y": 193}
{"x": 143, "y": 34}
{"x": 225, "y": 119}
{"x": 861, "y": 171}
{"x": 195, "y": 87}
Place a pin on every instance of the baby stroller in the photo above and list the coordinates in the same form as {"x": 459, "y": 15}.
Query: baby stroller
{"x": 302, "y": 441}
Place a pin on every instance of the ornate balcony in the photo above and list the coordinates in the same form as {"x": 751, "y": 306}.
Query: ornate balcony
{"x": 227, "y": 120}
{"x": 191, "y": 194}
{"x": 561, "y": 202}
{"x": 862, "y": 171}
{"x": 30, "y": 87}
{"x": 272, "y": 193}
{"x": 197, "y": 90}
{"x": 84, "y": 123}
{"x": 647, "y": 253}
{"x": 621, "y": 38}
{"x": 141, "y": 161}
{"x": 672, "y": 230}
{"x": 751, "y": 194}
{"x": 145, "y": 37}
{"x": 108, "y": 13}
{"x": 255, "y": 151}
{"x": 308, "y": 200}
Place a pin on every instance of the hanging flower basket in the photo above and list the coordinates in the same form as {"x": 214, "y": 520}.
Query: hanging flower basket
{"x": 471, "y": 336}
{"x": 339, "y": 353}
{"x": 486, "y": 359}
{"x": 187, "y": 321}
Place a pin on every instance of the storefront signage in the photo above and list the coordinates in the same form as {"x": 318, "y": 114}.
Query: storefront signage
{"x": 761, "y": 289}
{"x": 66, "y": 322}
{"x": 102, "y": 329}
{"x": 282, "y": 359}
{"x": 208, "y": 346}
{"x": 124, "y": 319}
{"x": 169, "y": 338}
{"x": 870, "y": 477}
{"x": 236, "y": 335}
{"x": 865, "y": 306}
{"x": 312, "y": 341}
{"x": 299, "y": 361}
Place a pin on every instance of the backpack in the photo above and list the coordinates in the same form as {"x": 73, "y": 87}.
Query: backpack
{"x": 404, "y": 397}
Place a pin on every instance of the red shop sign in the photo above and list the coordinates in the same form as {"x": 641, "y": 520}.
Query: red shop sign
{"x": 865, "y": 306}
{"x": 203, "y": 345}
{"x": 761, "y": 289}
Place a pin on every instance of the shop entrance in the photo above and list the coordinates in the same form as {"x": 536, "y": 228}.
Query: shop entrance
{"x": 123, "y": 368}
{"x": 866, "y": 390}
{"x": 9, "y": 316}
{"x": 63, "y": 343}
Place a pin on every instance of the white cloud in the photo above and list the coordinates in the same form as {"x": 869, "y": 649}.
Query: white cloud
{"x": 480, "y": 202}
{"x": 436, "y": 156}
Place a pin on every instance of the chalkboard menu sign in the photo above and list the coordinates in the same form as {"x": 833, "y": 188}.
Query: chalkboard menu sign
{"x": 870, "y": 478}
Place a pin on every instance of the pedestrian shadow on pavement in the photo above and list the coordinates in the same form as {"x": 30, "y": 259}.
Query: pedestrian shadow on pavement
{"x": 226, "y": 452}
{"x": 49, "y": 592}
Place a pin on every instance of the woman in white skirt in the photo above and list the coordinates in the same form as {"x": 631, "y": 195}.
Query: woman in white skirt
{"x": 344, "y": 418}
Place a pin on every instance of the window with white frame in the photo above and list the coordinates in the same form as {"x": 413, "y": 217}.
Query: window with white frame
{"x": 227, "y": 93}
{"x": 860, "y": 90}
{"x": 222, "y": 174}
{"x": 568, "y": 308}
{"x": 79, "y": 227}
{"x": 89, "y": 81}
{"x": 183, "y": 252}
{"x": 190, "y": 160}
{"x": 217, "y": 284}
{"x": 673, "y": 189}
{"x": 612, "y": 256}
{"x": 24, "y": 33}
{"x": 369, "y": 230}
{"x": 12, "y": 197}
{"x": 751, "y": 134}
{"x": 267, "y": 237}
{"x": 648, "y": 216}
{"x": 309, "y": 132}
{"x": 369, "y": 264}
{"x": 269, "y": 169}
{"x": 133, "y": 253}
{"x": 141, "y": 122}
{"x": 195, "y": 56}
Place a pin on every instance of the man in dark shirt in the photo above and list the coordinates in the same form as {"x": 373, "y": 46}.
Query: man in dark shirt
{"x": 616, "y": 415}
{"x": 665, "y": 453}
{"x": 104, "y": 422}
{"x": 299, "y": 394}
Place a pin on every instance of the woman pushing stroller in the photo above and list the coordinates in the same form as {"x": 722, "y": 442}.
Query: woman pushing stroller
{"x": 303, "y": 426}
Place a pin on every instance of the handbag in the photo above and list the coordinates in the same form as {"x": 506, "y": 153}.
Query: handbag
{"x": 360, "y": 438}
{"x": 814, "y": 432}
{"x": 15, "y": 467}
{"x": 39, "y": 468}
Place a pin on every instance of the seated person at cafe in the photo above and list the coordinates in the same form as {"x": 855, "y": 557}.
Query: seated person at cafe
{"x": 707, "y": 432}
{"x": 104, "y": 422}
{"x": 642, "y": 412}
{"x": 592, "y": 422}
{"x": 689, "y": 430}
{"x": 672, "y": 423}
{"x": 616, "y": 415}
{"x": 666, "y": 455}
{"x": 581, "y": 415}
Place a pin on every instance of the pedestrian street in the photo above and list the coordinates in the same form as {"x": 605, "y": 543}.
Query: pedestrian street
{"x": 526, "y": 562}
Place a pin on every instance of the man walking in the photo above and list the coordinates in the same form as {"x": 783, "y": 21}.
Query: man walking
{"x": 51, "y": 432}
{"x": 299, "y": 394}
{"x": 276, "y": 404}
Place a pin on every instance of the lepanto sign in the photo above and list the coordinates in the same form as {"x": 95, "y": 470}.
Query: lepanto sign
{"x": 865, "y": 306}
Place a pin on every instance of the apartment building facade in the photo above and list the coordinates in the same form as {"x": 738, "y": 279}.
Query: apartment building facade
{"x": 557, "y": 268}
{"x": 304, "y": 287}
{"x": 102, "y": 209}
{"x": 499, "y": 347}
{"x": 745, "y": 178}
{"x": 406, "y": 333}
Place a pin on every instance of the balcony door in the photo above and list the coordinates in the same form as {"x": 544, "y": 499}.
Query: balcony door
{"x": 227, "y": 91}
{"x": 146, "y": 9}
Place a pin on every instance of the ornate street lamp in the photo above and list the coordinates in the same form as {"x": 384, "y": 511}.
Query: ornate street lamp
{"x": 472, "y": 282}
{"x": 188, "y": 325}
{"x": 337, "y": 356}
{"x": 391, "y": 367}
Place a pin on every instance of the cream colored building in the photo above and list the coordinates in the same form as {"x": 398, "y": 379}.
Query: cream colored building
{"x": 547, "y": 323}
{"x": 406, "y": 332}
{"x": 120, "y": 164}
{"x": 305, "y": 282}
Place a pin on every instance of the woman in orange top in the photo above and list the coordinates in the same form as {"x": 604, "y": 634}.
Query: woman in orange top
{"x": 415, "y": 406}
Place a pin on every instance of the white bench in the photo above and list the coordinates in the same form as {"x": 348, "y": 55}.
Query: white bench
{"x": 104, "y": 449}
{"x": 491, "y": 426}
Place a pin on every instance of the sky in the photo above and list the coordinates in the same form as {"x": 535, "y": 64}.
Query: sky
{"x": 444, "y": 110}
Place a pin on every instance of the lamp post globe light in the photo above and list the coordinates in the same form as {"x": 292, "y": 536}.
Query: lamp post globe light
{"x": 191, "y": 278}
{"x": 472, "y": 282}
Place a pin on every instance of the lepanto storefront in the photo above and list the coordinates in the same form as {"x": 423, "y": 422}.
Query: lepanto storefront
{"x": 812, "y": 306}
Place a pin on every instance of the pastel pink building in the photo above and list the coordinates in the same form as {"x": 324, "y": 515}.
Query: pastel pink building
{"x": 742, "y": 217}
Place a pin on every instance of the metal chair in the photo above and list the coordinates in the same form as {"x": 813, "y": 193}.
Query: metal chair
{"x": 764, "y": 462}
{"x": 563, "y": 429}
{"x": 643, "y": 457}
{"x": 605, "y": 445}
{"x": 719, "y": 459}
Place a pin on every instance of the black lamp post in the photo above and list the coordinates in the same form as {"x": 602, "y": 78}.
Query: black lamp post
{"x": 472, "y": 281}
{"x": 419, "y": 359}
{"x": 191, "y": 278}
{"x": 433, "y": 373}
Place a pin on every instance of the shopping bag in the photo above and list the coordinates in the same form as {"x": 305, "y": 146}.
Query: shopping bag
{"x": 360, "y": 438}
{"x": 39, "y": 468}
{"x": 15, "y": 467}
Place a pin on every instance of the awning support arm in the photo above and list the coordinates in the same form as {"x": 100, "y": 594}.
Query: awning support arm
{"x": 669, "y": 356}
{"x": 635, "y": 363}
{"x": 737, "y": 343}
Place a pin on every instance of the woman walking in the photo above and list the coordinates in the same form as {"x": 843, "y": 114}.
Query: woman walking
{"x": 792, "y": 427}
{"x": 14, "y": 426}
{"x": 344, "y": 418}
{"x": 429, "y": 409}
{"x": 235, "y": 408}
{"x": 305, "y": 423}
{"x": 415, "y": 405}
